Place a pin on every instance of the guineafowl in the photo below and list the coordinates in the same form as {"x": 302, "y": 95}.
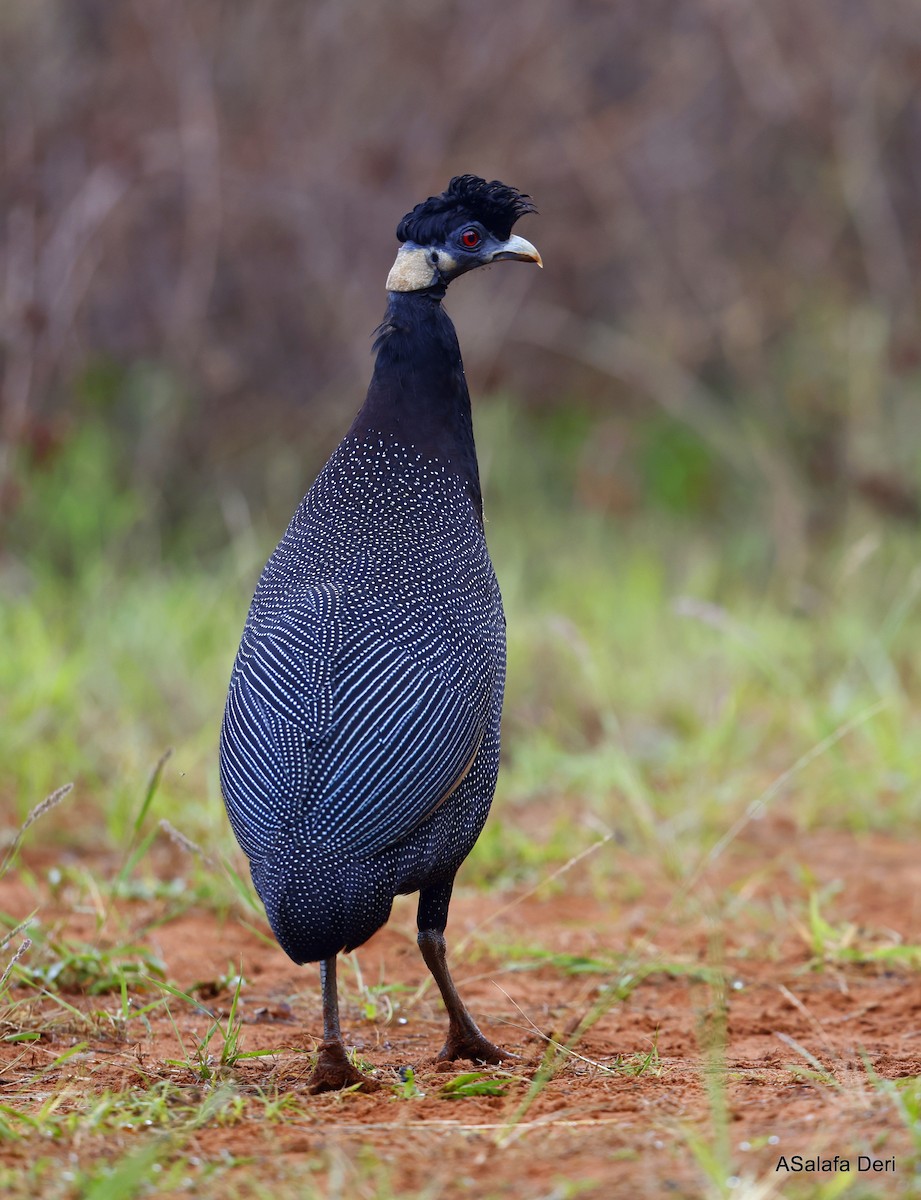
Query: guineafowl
{"x": 360, "y": 742}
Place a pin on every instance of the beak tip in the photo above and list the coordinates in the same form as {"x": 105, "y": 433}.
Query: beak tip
{"x": 519, "y": 250}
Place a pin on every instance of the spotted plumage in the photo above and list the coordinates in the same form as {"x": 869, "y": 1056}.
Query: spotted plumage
{"x": 369, "y": 675}
{"x": 360, "y": 744}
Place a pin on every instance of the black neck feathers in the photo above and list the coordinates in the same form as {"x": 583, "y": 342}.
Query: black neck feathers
{"x": 418, "y": 394}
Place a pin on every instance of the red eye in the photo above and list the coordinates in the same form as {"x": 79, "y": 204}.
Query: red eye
{"x": 470, "y": 238}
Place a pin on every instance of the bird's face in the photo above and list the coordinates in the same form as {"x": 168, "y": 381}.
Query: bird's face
{"x": 469, "y": 246}
{"x": 468, "y": 226}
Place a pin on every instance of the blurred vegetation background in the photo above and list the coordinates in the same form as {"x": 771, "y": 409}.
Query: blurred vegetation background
{"x": 700, "y": 427}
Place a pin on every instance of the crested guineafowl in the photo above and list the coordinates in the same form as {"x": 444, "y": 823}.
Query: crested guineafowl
{"x": 360, "y": 742}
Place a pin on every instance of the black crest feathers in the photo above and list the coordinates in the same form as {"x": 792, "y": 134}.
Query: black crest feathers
{"x": 467, "y": 198}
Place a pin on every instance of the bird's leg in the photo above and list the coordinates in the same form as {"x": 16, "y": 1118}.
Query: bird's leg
{"x": 464, "y": 1037}
{"x": 333, "y": 1070}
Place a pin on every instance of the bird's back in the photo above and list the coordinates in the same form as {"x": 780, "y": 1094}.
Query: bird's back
{"x": 361, "y": 728}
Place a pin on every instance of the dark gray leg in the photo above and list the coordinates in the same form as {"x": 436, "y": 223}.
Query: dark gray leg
{"x": 464, "y": 1038}
{"x": 333, "y": 1070}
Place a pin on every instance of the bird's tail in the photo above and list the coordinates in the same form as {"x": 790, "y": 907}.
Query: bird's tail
{"x": 320, "y": 900}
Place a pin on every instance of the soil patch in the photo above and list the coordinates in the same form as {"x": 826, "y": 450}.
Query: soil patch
{"x": 769, "y": 1015}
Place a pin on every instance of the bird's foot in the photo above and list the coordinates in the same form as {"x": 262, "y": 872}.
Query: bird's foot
{"x": 334, "y": 1072}
{"x": 468, "y": 1042}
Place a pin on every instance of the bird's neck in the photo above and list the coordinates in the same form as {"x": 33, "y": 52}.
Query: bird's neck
{"x": 418, "y": 394}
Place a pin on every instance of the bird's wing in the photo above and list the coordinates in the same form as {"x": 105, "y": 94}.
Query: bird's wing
{"x": 401, "y": 740}
{"x": 331, "y": 723}
{"x": 279, "y": 707}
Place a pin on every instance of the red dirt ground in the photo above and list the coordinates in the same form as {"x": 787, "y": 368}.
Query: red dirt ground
{"x": 806, "y": 1041}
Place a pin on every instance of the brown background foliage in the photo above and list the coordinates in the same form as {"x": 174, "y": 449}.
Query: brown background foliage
{"x": 211, "y": 189}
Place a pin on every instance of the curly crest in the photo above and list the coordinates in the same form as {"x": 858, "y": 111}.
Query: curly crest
{"x": 496, "y": 206}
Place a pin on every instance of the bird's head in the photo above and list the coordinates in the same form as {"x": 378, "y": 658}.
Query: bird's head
{"x": 469, "y": 225}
